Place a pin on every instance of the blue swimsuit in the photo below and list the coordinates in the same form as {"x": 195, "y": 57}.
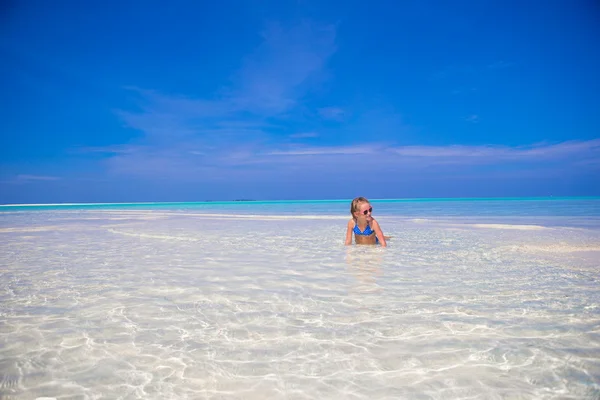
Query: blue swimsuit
{"x": 368, "y": 231}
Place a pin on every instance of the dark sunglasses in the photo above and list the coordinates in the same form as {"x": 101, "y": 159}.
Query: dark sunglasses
{"x": 370, "y": 210}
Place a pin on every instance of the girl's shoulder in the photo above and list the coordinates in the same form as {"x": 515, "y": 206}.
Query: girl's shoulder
{"x": 351, "y": 223}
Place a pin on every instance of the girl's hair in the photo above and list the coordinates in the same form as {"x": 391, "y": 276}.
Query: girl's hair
{"x": 356, "y": 204}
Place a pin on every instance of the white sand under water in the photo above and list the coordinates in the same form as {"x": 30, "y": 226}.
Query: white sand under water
{"x": 157, "y": 304}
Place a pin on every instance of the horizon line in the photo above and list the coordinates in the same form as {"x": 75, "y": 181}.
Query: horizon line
{"x": 298, "y": 201}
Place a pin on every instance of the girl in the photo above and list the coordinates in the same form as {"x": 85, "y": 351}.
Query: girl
{"x": 366, "y": 229}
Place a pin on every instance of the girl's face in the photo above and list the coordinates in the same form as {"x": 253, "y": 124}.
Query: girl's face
{"x": 364, "y": 211}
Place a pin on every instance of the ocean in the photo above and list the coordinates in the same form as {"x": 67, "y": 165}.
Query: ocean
{"x": 472, "y": 299}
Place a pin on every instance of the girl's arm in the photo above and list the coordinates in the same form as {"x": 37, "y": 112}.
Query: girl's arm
{"x": 379, "y": 233}
{"x": 349, "y": 232}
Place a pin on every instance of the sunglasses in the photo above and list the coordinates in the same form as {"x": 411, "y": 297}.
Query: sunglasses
{"x": 370, "y": 210}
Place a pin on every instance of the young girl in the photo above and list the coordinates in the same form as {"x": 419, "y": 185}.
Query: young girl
{"x": 366, "y": 229}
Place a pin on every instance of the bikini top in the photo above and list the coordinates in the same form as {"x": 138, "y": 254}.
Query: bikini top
{"x": 368, "y": 231}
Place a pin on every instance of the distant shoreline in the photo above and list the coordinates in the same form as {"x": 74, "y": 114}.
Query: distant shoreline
{"x": 416, "y": 199}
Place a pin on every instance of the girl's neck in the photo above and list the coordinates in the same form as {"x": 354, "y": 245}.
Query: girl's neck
{"x": 362, "y": 222}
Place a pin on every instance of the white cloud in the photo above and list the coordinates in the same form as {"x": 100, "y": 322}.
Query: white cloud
{"x": 245, "y": 160}
{"x": 573, "y": 149}
{"x": 240, "y": 132}
{"x": 334, "y": 113}
{"x": 112, "y": 149}
{"x": 303, "y": 135}
{"x": 268, "y": 86}
{"x": 24, "y": 177}
{"x": 274, "y": 76}
{"x": 189, "y": 136}
{"x": 307, "y": 150}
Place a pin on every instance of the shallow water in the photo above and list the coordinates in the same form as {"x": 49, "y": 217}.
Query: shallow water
{"x": 179, "y": 304}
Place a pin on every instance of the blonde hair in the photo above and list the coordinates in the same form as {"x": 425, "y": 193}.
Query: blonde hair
{"x": 356, "y": 203}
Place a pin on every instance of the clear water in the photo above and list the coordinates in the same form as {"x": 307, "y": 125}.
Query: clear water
{"x": 470, "y": 300}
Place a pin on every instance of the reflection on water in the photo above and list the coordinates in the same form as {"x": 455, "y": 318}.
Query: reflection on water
{"x": 364, "y": 263}
{"x": 135, "y": 305}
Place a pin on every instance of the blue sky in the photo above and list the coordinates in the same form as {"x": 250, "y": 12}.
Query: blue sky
{"x": 195, "y": 100}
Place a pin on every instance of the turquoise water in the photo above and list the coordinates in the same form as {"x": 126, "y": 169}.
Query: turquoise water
{"x": 472, "y": 299}
{"x": 549, "y": 206}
